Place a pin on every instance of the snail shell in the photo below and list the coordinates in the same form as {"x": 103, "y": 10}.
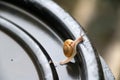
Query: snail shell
{"x": 68, "y": 48}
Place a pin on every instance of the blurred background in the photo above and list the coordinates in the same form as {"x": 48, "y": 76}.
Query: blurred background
{"x": 101, "y": 20}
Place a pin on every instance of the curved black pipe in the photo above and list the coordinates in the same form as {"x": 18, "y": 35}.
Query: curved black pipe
{"x": 13, "y": 31}
{"x": 50, "y": 19}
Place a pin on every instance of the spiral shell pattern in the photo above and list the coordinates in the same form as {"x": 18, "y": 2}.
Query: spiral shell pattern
{"x": 68, "y": 48}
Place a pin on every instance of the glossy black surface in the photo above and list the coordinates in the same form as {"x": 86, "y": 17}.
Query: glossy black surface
{"x": 49, "y": 40}
{"x": 32, "y": 33}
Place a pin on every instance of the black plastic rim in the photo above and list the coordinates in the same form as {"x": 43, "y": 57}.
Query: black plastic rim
{"x": 58, "y": 26}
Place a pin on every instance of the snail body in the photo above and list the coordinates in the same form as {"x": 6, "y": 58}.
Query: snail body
{"x": 69, "y": 49}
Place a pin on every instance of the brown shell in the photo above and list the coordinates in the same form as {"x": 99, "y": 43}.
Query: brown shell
{"x": 67, "y": 48}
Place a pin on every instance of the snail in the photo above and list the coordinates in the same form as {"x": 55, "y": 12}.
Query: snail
{"x": 69, "y": 49}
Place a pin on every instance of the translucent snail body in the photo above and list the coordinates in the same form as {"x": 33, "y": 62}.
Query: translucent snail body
{"x": 69, "y": 49}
